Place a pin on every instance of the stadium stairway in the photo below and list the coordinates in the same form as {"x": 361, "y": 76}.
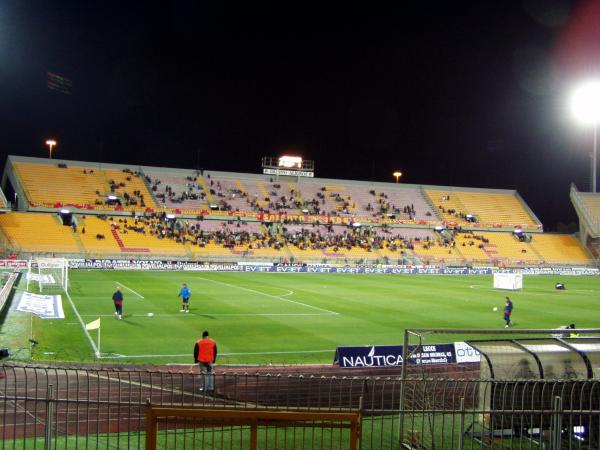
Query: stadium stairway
{"x": 206, "y": 190}
{"x": 428, "y": 200}
{"x": 77, "y": 237}
{"x": 297, "y": 194}
{"x": 240, "y": 185}
{"x": 149, "y": 189}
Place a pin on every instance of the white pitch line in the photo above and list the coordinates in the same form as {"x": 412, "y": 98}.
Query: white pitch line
{"x": 120, "y": 356}
{"x": 130, "y": 290}
{"x": 277, "y": 297}
{"x": 82, "y": 323}
{"x": 208, "y": 314}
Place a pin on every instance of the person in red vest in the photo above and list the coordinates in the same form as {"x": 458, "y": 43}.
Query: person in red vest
{"x": 205, "y": 354}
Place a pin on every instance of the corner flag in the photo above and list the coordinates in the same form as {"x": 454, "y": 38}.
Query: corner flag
{"x": 93, "y": 325}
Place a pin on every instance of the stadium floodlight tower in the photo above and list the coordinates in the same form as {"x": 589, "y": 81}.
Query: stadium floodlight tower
{"x": 585, "y": 104}
{"x": 51, "y": 143}
{"x": 288, "y": 166}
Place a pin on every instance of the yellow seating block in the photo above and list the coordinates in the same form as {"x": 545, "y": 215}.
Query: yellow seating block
{"x": 132, "y": 184}
{"x": 489, "y": 208}
{"x": 560, "y": 249}
{"x": 31, "y": 232}
{"x": 46, "y": 185}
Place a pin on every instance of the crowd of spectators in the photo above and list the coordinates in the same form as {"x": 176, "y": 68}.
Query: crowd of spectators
{"x": 273, "y": 199}
{"x": 229, "y": 235}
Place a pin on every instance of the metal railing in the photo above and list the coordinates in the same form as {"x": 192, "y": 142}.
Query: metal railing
{"x": 73, "y": 408}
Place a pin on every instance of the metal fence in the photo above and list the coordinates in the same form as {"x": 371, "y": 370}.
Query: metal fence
{"x": 69, "y": 408}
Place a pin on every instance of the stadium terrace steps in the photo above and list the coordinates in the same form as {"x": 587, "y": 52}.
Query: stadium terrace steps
{"x": 35, "y": 233}
{"x": 591, "y": 201}
{"x": 489, "y": 208}
{"x": 102, "y": 237}
{"x": 178, "y": 184}
{"x": 51, "y": 186}
{"x": 131, "y": 183}
{"x": 206, "y": 190}
{"x": 560, "y": 249}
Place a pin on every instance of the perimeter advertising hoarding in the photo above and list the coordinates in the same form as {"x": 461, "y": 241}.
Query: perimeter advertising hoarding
{"x": 391, "y": 355}
{"x": 131, "y": 264}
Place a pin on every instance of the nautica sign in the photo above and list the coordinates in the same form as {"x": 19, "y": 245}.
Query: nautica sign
{"x": 369, "y": 356}
{"x": 391, "y": 355}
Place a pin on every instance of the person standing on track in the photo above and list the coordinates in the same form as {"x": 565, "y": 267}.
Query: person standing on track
{"x": 185, "y": 293}
{"x": 118, "y": 301}
{"x": 205, "y": 354}
{"x": 508, "y": 309}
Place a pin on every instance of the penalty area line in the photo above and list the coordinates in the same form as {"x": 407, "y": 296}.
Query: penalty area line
{"x": 130, "y": 290}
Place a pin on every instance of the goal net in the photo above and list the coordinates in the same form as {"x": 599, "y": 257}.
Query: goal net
{"x": 48, "y": 274}
{"x": 510, "y": 281}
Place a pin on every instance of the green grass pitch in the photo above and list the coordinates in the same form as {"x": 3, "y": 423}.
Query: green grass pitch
{"x": 291, "y": 318}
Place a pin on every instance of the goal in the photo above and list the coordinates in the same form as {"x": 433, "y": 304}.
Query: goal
{"x": 49, "y": 273}
{"x": 510, "y": 281}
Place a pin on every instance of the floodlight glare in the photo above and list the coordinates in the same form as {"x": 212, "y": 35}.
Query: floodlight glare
{"x": 290, "y": 162}
{"x": 51, "y": 143}
{"x": 585, "y": 103}
{"x": 64, "y": 211}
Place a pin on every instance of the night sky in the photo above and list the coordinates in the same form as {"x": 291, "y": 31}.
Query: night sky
{"x": 461, "y": 93}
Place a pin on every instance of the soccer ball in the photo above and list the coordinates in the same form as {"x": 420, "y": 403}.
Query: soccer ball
{"x": 150, "y": 314}
{"x": 495, "y": 308}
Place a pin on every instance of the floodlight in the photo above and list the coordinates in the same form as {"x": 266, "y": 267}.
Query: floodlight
{"x": 64, "y": 211}
{"x": 112, "y": 197}
{"x": 51, "y": 143}
{"x": 170, "y": 216}
{"x": 585, "y": 103}
{"x": 290, "y": 162}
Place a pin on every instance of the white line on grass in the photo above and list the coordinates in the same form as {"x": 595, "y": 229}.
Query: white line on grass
{"x": 209, "y": 314}
{"x": 82, "y": 323}
{"x": 277, "y": 297}
{"x": 130, "y": 290}
{"x": 119, "y": 356}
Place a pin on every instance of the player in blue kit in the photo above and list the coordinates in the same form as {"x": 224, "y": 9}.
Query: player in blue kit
{"x": 185, "y": 293}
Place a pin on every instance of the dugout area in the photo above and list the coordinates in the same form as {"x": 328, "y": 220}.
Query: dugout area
{"x": 519, "y": 402}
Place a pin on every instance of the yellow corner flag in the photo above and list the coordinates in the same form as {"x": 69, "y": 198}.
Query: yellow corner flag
{"x": 93, "y": 325}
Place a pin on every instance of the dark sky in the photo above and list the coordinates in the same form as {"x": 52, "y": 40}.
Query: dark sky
{"x": 461, "y": 93}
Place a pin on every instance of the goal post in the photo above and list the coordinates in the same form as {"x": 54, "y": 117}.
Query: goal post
{"x": 509, "y": 281}
{"x": 49, "y": 273}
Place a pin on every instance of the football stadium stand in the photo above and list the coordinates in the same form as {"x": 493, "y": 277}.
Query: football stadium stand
{"x": 490, "y": 209}
{"x": 202, "y": 215}
{"x": 23, "y": 232}
{"x": 59, "y": 185}
{"x": 559, "y": 249}
{"x": 3, "y": 201}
